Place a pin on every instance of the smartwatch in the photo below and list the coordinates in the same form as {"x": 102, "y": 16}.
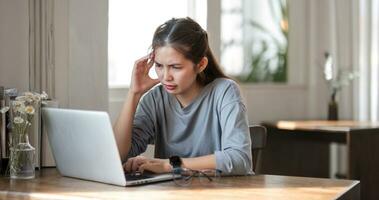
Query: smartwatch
{"x": 176, "y": 162}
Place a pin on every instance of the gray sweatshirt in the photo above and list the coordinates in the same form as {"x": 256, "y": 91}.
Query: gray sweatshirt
{"x": 214, "y": 123}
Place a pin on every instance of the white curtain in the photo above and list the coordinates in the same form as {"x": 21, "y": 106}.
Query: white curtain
{"x": 354, "y": 32}
{"x": 68, "y": 54}
{"x": 41, "y": 46}
{"x": 41, "y": 62}
{"x": 368, "y": 20}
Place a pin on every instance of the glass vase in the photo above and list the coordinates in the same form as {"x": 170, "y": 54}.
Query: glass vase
{"x": 22, "y": 155}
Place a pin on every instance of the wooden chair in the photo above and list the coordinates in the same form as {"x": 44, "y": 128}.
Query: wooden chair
{"x": 258, "y": 135}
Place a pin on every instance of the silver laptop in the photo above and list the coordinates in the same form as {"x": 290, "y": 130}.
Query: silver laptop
{"x": 84, "y": 147}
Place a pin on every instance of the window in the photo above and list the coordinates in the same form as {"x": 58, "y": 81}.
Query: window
{"x": 254, "y": 37}
{"x": 131, "y": 28}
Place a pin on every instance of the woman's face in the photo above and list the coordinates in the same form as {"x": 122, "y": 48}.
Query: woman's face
{"x": 176, "y": 73}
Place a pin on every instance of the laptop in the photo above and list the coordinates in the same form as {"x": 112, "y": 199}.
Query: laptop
{"x": 84, "y": 147}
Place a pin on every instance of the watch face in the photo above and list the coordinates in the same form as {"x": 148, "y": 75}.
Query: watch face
{"x": 175, "y": 161}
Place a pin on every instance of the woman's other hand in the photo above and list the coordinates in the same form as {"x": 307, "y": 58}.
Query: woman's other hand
{"x": 141, "y": 81}
{"x": 141, "y": 163}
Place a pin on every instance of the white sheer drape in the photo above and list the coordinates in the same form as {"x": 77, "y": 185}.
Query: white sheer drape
{"x": 41, "y": 61}
{"x": 368, "y": 107}
{"x": 354, "y": 41}
{"x": 41, "y": 46}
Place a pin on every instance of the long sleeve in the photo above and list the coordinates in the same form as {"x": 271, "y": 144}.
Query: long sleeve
{"x": 235, "y": 156}
{"x": 143, "y": 126}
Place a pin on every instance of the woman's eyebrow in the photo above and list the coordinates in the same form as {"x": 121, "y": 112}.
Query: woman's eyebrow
{"x": 174, "y": 64}
{"x": 168, "y": 64}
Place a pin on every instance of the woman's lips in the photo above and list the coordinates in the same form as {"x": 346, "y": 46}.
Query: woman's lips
{"x": 170, "y": 87}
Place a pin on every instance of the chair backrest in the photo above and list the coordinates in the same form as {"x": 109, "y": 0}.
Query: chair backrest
{"x": 258, "y": 135}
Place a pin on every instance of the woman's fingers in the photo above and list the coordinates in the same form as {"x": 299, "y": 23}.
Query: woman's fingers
{"x": 145, "y": 58}
{"x": 152, "y": 167}
{"x": 141, "y": 163}
{"x": 145, "y": 61}
{"x": 134, "y": 163}
{"x": 150, "y": 62}
{"x": 156, "y": 166}
{"x": 143, "y": 167}
{"x": 144, "y": 64}
{"x": 137, "y": 163}
{"x": 128, "y": 165}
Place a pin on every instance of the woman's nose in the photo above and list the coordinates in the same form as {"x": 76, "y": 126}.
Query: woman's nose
{"x": 166, "y": 74}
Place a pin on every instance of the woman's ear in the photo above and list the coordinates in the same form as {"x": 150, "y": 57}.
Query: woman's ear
{"x": 202, "y": 64}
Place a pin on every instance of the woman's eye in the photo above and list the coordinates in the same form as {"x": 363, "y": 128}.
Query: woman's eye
{"x": 158, "y": 65}
{"x": 176, "y": 67}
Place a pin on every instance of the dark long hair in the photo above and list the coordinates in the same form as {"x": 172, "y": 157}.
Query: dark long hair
{"x": 187, "y": 37}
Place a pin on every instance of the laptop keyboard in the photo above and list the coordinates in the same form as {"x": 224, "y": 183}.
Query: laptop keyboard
{"x": 137, "y": 176}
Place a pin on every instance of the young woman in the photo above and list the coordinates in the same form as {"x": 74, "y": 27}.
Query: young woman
{"x": 195, "y": 113}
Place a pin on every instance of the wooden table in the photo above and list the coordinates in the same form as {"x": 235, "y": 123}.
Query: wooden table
{"x": 301, "y": 148}
{"x": 50, "y": 185}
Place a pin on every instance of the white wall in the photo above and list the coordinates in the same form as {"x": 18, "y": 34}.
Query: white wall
{"x": 275, "y": 102}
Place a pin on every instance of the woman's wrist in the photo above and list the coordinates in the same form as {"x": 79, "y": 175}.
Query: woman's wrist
{"x": 134, "y": 95}
{"x": 167, "y": 166}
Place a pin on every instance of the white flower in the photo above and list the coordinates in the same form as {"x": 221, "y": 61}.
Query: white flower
{"x": 28, "y": 94}
{"x": 18, "y": 120}
{"x": 18, "y": 106}
{"x": 17, "y": 103}
{"x": 4, "y": 110}
{"x": 328, "y": 67}
{"x": 26, "y": 98}
{"x": 44, "y": 95}
{"x": 31, "y": 97}
{"x": 29, "y": 110}
{"x": 36, "y": 98}
{"x": 336, "y": 78}
{"x": 21, "y": 98}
